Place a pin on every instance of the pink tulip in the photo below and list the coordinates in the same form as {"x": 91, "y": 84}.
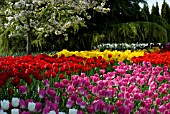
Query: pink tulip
{"x": 168, "y": 105}
{"x": 61, "y": 85}
{"x": 83, "y": 105}
{"x": 110, "y": 108}
{"x": 83, "y": 75}
{"x": 80, "y": 112}
{"x": 121, "y": 95}
{"x": 162, "y": 108}
{"x": 81, "y": 90}
{"x": 119, "y": 103}
{"x": 158, "y": 101}
{"x": 91, "y": 109}
{"x": 102, "y": 71}
{"x": 123, "y": 88}
{"x": 23, "y": 89}
{"x": 65, "y": 81}
{"x": 153, "y": 111}
{"x": 131, "y": 106}
{"x": 95, "y": 90}
{"x": 78, "y": 101}
{"x": 57, "y": 85}
{"x": 143, "y": 110}
{"x": 70, "y": 89}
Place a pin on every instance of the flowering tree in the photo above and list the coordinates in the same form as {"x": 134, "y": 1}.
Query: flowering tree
{"x": 28, "y": 17}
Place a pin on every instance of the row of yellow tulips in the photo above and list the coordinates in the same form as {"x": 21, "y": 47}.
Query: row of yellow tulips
{"x": 116, "y": 55}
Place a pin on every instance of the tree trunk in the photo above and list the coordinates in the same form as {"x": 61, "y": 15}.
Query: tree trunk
{"x": 29, "y": 39}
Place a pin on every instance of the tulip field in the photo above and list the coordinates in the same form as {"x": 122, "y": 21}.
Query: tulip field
{"x": 86, "y": 82}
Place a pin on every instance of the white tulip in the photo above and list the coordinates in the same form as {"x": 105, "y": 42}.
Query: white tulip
{"x": 73, "y": 111}
{"x": 15, "y": 102}
{"x": 52, "y": 112}
{"x": 5, "y": 104}
{"x": 31, "y": 106}
{"x": 15, "y": 111}
{"x": 61, "y": 113}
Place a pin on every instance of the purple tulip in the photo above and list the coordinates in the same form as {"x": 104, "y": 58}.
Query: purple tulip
{"x": 52, "y": 93}
{"x": 56, "y": 100}
{"x": 69, "y": 103}
{"x": 45, "y": 111}
{"x": 48, "y": 104}
{"x": 24, "y": 112}
{"x": 23, "y": 89}
{"x": 38, "y": 107}
{"x": 46, "y": 83}
{"x": 54, "y": 107}
{"x": 110, "y": 108}
{"x": 83, "y": 105}
{"x": 42, "y": 93}
{"x": 22, "y": 104}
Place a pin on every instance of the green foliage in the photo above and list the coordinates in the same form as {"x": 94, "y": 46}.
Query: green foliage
{"x": 155, "y": 10}
{"x": 142, "y": 32}
{"x": 145, "y": 12}
{"x": 159, "y": 20}
{"x": 165, "y": 11}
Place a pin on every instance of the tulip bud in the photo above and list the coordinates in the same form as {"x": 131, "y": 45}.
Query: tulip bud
{"x": 15, "y": 111}
{"x": 15, "y": 102}
{"x": 31, "y": 106}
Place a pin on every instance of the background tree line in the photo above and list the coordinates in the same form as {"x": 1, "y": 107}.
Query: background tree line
{"x": 126, "y": 22}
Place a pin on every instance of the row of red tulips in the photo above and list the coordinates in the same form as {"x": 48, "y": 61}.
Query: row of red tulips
{"x": 44, "y": 67}
{"x": 154, "y": 58}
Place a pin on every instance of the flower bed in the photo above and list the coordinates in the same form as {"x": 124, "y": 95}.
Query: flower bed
{"x": 92, "y": 83}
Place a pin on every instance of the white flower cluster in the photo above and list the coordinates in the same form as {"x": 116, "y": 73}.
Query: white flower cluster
{"x": 124, "y": 46}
